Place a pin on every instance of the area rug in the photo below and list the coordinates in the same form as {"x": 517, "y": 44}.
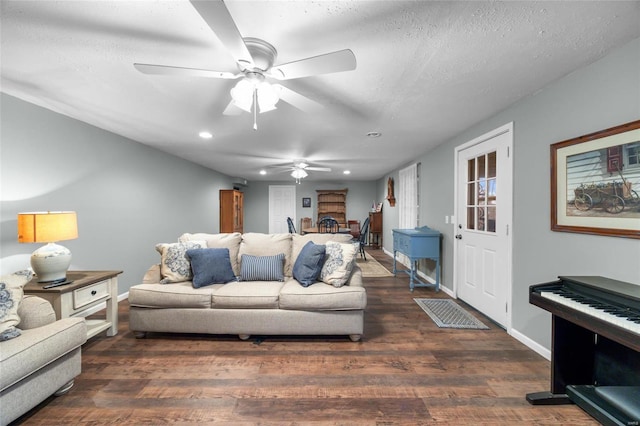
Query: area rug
{"x": 448, "y": 314}
{"x": 371, "y": 268}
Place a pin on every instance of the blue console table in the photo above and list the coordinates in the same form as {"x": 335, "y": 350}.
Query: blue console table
{"x": 416, "y": 244}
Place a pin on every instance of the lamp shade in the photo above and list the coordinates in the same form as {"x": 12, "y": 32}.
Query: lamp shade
{"x": 47, "y": 227}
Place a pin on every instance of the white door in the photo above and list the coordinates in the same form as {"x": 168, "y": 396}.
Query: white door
{"x": 282, "y": 204}
{"x": 482, "y": 250}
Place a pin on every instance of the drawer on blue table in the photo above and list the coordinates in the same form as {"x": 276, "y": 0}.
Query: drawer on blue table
{"x": 400, "y": 243}
{"x": 417, "y": 245}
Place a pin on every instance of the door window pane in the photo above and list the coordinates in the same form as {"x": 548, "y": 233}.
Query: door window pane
{"x": 471, "y": 218}
{"x": 482, "y": 181}
{"x": 492, "y": 164}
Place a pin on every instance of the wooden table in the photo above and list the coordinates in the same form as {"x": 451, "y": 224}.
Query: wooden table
{"x": 314, "y": 230}
{"x": 88, "y": 289}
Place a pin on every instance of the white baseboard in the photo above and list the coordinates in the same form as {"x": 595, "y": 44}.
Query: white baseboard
{"x": 101, "y": 306}
{"x": 534, "y": 346}
{"x": 423, "y": 276}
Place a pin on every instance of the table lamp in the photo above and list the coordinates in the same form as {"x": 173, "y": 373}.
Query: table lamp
{"x": 51, "y": 261}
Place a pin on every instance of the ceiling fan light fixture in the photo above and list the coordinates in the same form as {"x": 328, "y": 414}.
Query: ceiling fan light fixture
{"x": 268, "y": 96}
{"x": 242, "y": 94}
{"x": 299, "y": 174}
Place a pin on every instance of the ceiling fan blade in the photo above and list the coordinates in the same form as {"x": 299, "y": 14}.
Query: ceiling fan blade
{"x": 319, "y": 169}
{"x": 232, "y": 109}
{"x": 181, "y": 71}
{"x": 297, "y": 100}
{"x": 341, "y": 60}
{"x": 217, "y": 16}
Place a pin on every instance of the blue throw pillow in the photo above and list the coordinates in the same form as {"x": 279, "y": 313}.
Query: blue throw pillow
{"x": 309, "y": 263}
{"x": 262, "y": 268}
{"x": 210, "y": 266}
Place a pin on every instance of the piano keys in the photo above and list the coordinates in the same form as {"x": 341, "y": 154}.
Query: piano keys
{"x": 595, "y": 345}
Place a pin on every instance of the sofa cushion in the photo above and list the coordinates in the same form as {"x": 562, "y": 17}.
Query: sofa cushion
{"x": 248, "y": 295}
{"x": 257, "y": 244}
{"x": 321, "y": 297}
{"x": 175, "y": 266}
{"x": 231, "y": 241}
{"x": 11, "y": 292}
{"x": 175, "y": 295}
{"x": 338, "y": 263}
{"x": 210, "y": 266}
{"x": 262, "y": 268}
{"x": 308, "y": 265}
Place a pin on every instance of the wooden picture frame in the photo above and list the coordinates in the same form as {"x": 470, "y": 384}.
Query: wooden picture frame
{"x": 306, "y": 202}
{"x": 595, "y": 182}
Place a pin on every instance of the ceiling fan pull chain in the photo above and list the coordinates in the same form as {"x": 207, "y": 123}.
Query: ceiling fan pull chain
{"x": 255, "y": 109}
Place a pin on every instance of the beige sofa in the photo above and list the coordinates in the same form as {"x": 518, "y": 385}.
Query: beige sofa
{"x": 250, "y": 308}
{"x": 42, "y": 361}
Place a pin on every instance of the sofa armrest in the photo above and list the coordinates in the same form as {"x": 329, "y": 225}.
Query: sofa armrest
{"x": 35, "y": 348}
{"x": 152, "y": 276}
{"x": 35, "y": 312}
{"x": 355, "y": 280}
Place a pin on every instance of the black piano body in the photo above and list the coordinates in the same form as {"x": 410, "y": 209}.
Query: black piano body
{"x": 595, "y": 363}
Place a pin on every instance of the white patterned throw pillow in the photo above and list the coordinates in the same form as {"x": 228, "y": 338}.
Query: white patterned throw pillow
{"x": 338, "y": 264}
{"x": 11, "y": 292}
{"x": 175, "y": 266}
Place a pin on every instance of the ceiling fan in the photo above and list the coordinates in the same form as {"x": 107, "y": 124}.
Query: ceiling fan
{"x": 255, "y": 59}
{"x": 300, "y": 168}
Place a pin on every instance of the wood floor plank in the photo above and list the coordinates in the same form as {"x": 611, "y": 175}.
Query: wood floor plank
{"x": 405, "y": 371}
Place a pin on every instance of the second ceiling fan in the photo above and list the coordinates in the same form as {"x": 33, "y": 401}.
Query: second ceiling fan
{"x": 255, "y": 60}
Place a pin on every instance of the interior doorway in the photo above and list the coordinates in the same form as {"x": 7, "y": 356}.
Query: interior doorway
{"x": 282, "y": 204}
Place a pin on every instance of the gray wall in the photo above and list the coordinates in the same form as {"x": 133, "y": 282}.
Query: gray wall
{"x": 596, "y": 97}
{"x": 128, "y": 196}
{"x": 360, "y": 196}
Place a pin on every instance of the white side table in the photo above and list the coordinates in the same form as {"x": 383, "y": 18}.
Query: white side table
{"x": 88, "y": 289}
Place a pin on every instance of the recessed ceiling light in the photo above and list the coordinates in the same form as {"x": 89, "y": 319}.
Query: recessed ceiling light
{"x": 347, "y": 172}
{"x": 374, "y": 134}
{"x": 205, "y": 135}
{"x": 263, "y": 172}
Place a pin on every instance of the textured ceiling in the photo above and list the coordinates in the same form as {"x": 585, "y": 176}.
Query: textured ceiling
{"x": 425, "y": 72}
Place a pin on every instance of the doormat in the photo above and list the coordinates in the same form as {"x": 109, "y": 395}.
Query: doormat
{"x": 372, "y": 268}
{"x": 448, "y": 314}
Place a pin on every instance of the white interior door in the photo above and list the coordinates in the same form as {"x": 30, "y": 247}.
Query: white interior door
{"x": 282, "y": 204}
{"x": 482, "y": 250}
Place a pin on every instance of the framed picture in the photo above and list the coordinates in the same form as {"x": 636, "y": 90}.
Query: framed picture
{"x": 595, "y": 182}
{"x": 306, "y": 202}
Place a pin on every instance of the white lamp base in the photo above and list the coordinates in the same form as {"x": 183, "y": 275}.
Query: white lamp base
{"x": 50, "y": 262}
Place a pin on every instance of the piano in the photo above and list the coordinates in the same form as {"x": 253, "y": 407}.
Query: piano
{"x": 595, "y": 353}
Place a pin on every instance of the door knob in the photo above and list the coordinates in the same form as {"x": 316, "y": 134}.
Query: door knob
{"x": 459, "y": 237}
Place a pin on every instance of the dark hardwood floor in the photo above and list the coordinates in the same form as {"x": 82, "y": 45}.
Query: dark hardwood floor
{"x": 405, "y": 371}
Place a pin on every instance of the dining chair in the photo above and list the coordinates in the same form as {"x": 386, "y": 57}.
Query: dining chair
{"x": 305, "y": 223}
{"x": 363, "y": 238}
{"x": 328, "y": 225}
{"x": 292, "y": 228}
{"x": 354, "y": 228}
